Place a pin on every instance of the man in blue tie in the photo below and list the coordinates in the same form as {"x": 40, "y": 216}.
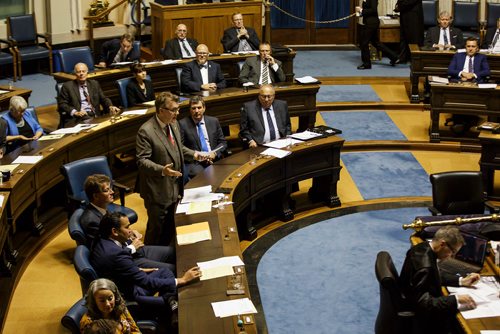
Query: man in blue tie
{"x": 201, "y": 133}
{"x": 443, "y": 36}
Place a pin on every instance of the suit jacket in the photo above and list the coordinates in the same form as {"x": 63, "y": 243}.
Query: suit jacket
{"x": 191, "y": 79}
{"x": 252, "y": 122}
{"x": 370, "y": 13}
{"x": 250, "y": 72}
{"x": 481, "y": 67}
{"x": 433, "y": 34}
{"x": 421, "y": 281}
{"x": 69, "y": 99}
{"x": 115, "y": 263}
{"x": 230, "y": 39}
{"x": 89, "y": 221}
{"x": 173, "y": 49}
{"x": 411, "y": 19}
{"x": 135, "y": 95}
{"x": 488, "y": 38}
{"x": 110, "y": 48}
{"x": 153, "y": 152}
{"x": 190, "y": 138}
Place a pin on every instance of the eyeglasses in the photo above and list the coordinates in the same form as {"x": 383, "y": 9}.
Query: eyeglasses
{"x": 173, "y": 111}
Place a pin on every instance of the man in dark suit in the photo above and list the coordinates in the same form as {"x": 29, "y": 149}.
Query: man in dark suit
{"x": 421, "y": 282}
{"x": 239, "y": 37}
{"x": 492, "y": 38}
{"x": 100, "y": 194}
{"x": 469, "y": 65}
{"x": 265, "y": 119}
{"x": 118, "y": 50}
{"x": 160, "y": 159}
{"x": 112, "y": 260}
{"x": 202, "y": 74}
{"x": 263, "y": 69}
{"x": 180, "y": 46}
{"x": 443, "y": 36}
{"x": 81, "y": 99}
{"x": 411, "y": 24}
{"x": 201, "y": 133}
{"x": 369, "y": 34}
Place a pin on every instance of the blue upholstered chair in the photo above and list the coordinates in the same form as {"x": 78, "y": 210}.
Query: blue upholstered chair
{"x": 21, "y": 32}
{"x": 87, "y": 273}
{"x": 466, "y": 18}
{"x": 70, "y": 57}
{"x": 122, "y": 89}
{"x": 492, "y": 14}
{"x": 136, "y": 46}
{"x": 75, "y": 230}
{"x": 9, "y": 59}
{"x": 76, "y": 173}
{"x": 430, "y": 13}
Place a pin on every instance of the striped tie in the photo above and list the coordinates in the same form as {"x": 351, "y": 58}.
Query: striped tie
{"x": 265, "y": 73}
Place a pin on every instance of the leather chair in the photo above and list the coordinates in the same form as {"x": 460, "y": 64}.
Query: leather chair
{"x": 393, "y": 316}
{"x": 72, "y": 56}
{"x": 75, "y": 230}
{"x": 122, "y": 89}
{"x": 178, "y": 72}
{"x": 466, "y": 18}
{"x": 76, "y": 173}
{"x": 21, "y": 32}
{"x": 87, "y": 273}
{"x": 492, "y": 14}
{"x": 9, "y": 59}
{"x": 456, "y": 193}
{"x": 430, "y": 13}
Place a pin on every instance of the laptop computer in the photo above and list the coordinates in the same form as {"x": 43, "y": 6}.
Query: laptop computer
{"x": 469, "y": 259}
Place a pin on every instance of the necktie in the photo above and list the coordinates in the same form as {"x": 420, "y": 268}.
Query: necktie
{"x": 203, "y": 142}
{"x": 87, "y": 96}
{"x": 471, "y": 66}
{"x": 272, "y": 133}
{"x": 265, "y": 73}
{"x": 445, "y": 37}
{"x": 169, "y": 135}
{"x": 184, "y": 46}
{"x": 495, "y": 39}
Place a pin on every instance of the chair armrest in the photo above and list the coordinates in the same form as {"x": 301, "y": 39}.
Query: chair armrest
{"x": 9, "y": 43}
{"x": 46, "y": 37}
{"x": 12, "y": 41}
{"x": 492, "y": 208}
{"x": 434, "y": 211}
{"x": 122, "y": 189}
{"x": 75, "y": 203}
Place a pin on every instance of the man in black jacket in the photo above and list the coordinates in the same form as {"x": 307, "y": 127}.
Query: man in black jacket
{"x": 443, "y": 36}
{"x": 181, "y": 46}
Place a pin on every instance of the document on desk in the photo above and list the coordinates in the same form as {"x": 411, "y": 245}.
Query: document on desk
{"x": 50, "y": 137}
{"x": 199, "y": 207}
{"x": 282, "y": 143}
{"x": 306, "y": 135}
{"x": 229, "y": 308}
{"x": 27, "y": 159}
{"x": 307, "y": 80}
{"x": 488, "y": 331}
{"x": 220, "y": 267}
{"x": 10, "y": 167}
{"x": 75, "y": 129}
{"x": 487, "y": 85}
{"x": 4, "y": 91}
{"x": 274, "y": 152}
{"x": 199, "y": 194}
{"x": 190, "y": 234}
{"x": 485, "y": 294}
{"x": 1, "y": 200}
{"x": 135, "y": 112}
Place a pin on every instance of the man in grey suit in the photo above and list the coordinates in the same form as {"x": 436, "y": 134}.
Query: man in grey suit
{"x": 443, "y": 36}
{"x": 181, "y": 46}
{"x": 265, "y": 119}
{"x": 160, "y": 159}
{"x": 263, "y": 69}
{"x": 201, "y": 133}
{"x": 81, "y": 98}
{"x": 202, "y": 74}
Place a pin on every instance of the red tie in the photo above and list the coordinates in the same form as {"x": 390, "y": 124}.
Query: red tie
{"x": 169, "y": 135}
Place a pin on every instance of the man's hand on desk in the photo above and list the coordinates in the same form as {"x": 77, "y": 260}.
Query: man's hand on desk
{"x": 189, "y": 276}
{"x": 209, "y": 86}
{"x": 114, "y": 110}
{"x": 470, "y": 279}
{"x": 466, "y": 302}
{"x": 81, "y": 113}
{"x": 102, "y": 64}
{"x": 252, "y": 143}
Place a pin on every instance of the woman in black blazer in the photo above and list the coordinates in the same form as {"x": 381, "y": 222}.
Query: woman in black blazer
{"x": 139, "y": 90}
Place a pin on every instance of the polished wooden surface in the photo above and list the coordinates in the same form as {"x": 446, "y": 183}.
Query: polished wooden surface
{"x": 424, "y": 63}
{"x": 205, "y": 22}
{"x": 490, "y": 160}
{"x": 12, "y": 91}
{"x": 464, "y": 100}
{"x": 164, "y": 77}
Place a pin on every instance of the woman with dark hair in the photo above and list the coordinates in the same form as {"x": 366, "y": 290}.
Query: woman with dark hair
{"x": 139, "y": 90}
{"x": 104, "y": 301}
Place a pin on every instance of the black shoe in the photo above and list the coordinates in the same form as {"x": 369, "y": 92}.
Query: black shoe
{"x": 395, "y": 61}
{"x": 364, "y": 67}
{"x": 458, "y": 129}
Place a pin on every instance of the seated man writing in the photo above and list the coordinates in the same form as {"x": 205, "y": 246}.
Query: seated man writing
{"x": 118, "y": 50}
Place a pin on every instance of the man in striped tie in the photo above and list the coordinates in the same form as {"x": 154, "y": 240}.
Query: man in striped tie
{"x": 492, "y": 38}
{"x": 263, "y": 69}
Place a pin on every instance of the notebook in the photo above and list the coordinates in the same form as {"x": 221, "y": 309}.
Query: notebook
{"x": 469, "y": 259}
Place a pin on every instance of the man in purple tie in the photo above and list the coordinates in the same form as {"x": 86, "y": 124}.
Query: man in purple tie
{"x": 469, "y": 66}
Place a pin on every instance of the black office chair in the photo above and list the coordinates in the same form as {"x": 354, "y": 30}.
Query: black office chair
{"x": 456, "y": 193}
{"x": 393, "y": 316}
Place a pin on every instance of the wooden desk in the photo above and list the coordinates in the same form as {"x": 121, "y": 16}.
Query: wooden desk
{"x": 14, "y": 91}
{"x": 164, "y": 77}
{"x": 490, "y": 161}
{"x": 424, "y": 63}
{"x": 317, "y": 159}
{"x": 389, "y": 32}
{"x": 464, "y": 100}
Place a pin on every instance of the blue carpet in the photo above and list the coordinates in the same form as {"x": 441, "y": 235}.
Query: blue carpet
{"x": 321, "y": 278}
{"x": 43, "y": 88}
{"x": 343, "y": 64}
{"x": 387, "y": 174}
{"x": 372, "y": 125}
{"x": 347, "y": 93}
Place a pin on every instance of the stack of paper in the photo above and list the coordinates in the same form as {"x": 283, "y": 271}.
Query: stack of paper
{"x": 219, "y": 267}
{"x": 307, "y": 80}
{"x": 135, "y": 112}
{"x": 276, "y": 153}
{"x": 74, "y": 129}
{"x": 190, "y": 234}
{"x": 306, "y": 135}
{"x": 27, "y": 159}
{"x": 233, "y": 307}
{"x": 485, "y": 294}
{"x": 281, "y": 143}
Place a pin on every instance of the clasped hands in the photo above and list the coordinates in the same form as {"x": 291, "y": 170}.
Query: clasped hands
{"x": 466, "y": 76}
{"x": 242, "y": 32}
{"x": 82, "y": 113}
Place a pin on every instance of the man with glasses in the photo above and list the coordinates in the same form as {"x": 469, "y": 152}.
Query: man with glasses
{"x": 202, "y": 74}
{"x": 238, "y": 37}
{"x": 421, "y": 282}
{"x": 265, "y": 119}
{"x": 181, "y": 46}
{"x": 160, "y": 158}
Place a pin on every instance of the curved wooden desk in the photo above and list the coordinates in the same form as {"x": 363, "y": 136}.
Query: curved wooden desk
{"x": 318, "y": 159}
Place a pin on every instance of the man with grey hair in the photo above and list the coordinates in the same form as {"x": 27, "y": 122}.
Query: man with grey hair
{"x": 180, "y": 46}
{"x": 443, "y": 36}
{"x": 421, "y": 282}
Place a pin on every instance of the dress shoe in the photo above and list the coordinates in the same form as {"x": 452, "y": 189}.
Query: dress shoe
{"x": 395, "y": 61}
{"x": 458, "y": 129}
{"x": 364, "y": 67}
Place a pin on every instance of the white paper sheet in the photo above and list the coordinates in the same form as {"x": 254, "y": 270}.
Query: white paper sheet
{"x": 1, "y": 200}
{"x": 307, "y": 79}
{"x": 233, "y": 307}
{"x": 199, "y": 194}
{"x": 219, "y": 267}
{"x": 199, "y": 207}
{"x": 487, "y": 85}
{"x": 193, "y": 233}
{"x": 282, "y": 143}
{"x": 74, "y": 129}
{"x": 182, "y": 208}
{"x": 10, "y": 167}
{"x": 50, "y": 137}
{"x": 485, "y": 294}
{"x": 135, "y": 112}
{"x": 306, "y": 135}
{"x": 276, "y": 152}
{"x": 27, "y": 159}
